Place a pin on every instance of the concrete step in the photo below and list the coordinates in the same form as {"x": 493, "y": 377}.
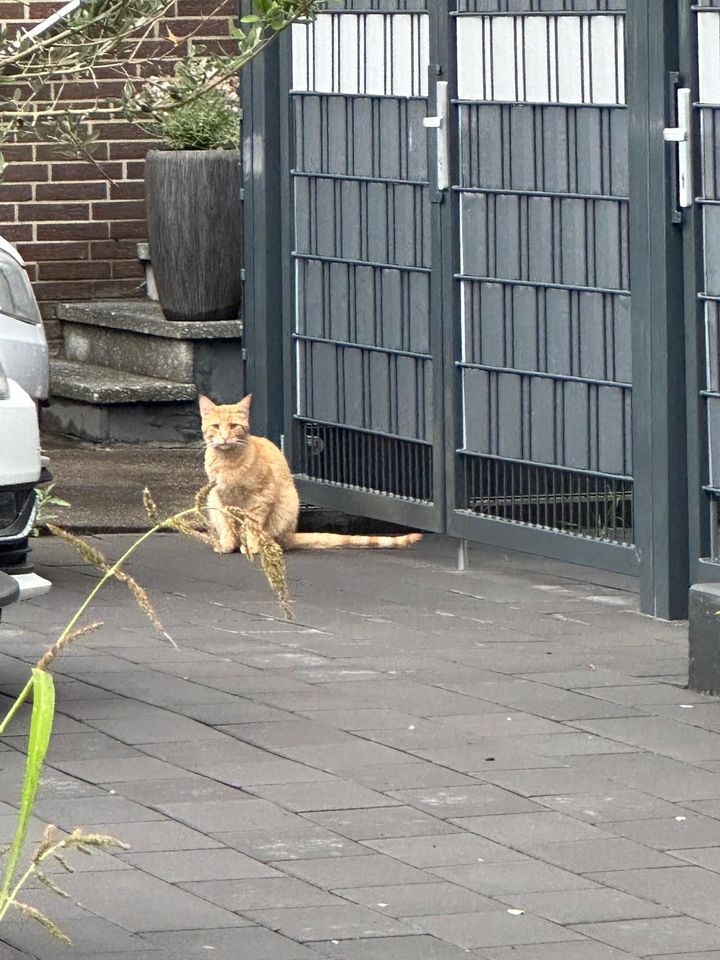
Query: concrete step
{"x": 134, "y": 336}
{"x": 100, "y": 404}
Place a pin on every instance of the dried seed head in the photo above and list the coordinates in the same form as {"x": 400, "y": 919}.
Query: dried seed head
{"x": 85, "y": 549}
{"x": 34, "y": 914}
{"x": 63, "y": 642}
{"x": 151, "y": 507}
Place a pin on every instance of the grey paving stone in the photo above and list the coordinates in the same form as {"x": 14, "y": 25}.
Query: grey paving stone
{"x": 140, "y": 903}
{"x": 238, "y": 710}
{"x": 261, "y": 894}
{"x": 684, "y": 889}
{"x": 161, "y": 835}
{"x": 419, "y": 773}
{"x": 670, "y": 779}
{"x": 506, "y": 724}
{"x": 266, "y": 771}
{"x": 121, "y": 770}
{"x": 586, "y": 856}
{"x": 658, "y": 735}
{"x": 656, "y": 936}
{"x": 381, "y": 822}
{"x": 184, "y": 866}
{"x": 79, "y": 746}
{"x": 705, "y": 955}
{"x": 336, "y": 757}
{"x": 587, "y": 906}
{"x": 420, "y": 899}
{"x": 346, "y": 922}
{"x": 708, "y": 857}
{"x": 301, "y": 843}
{"x": 651, "y": 694}
{"x": 495, "y": 928}
{"x": 91, "y": 937}
{"x": 293, "y": 732}
{"x": 163, "y": 728}
{"x": 69, "y": 813}
{"x": 340, "y": 872}
{"x": 670, "y": 833}
{"x": 363, "y": 718}
{"x": 183, "y": 788}
{"x": 421, "y": 733}
{"x": 393, "y": 948}
{"x": 481, "y": 758}
{"x": 226, "y": 816}
{"x": 559, "y": 781}
{"x": 615, "y": 803}
{"x": 520, "y": 876}
{"x": 440, "y": 851}
{"x": 204, "y": 755}
{"x": 323, "y": 795}
{"x": 524, "y": 831}
{"x": 465, "y": 801}
{"x": 229, "y": 944}
{"x": 577, "y": 950}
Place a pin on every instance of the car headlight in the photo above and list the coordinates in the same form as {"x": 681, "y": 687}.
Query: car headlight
{"x": 4, "y": 385}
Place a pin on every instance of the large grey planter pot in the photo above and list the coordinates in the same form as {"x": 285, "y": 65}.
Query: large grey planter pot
{"x": 194, "y": 221}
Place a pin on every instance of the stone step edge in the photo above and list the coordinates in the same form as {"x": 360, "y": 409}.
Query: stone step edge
{"x": 145, "y": 317}
{"x": 90, "y": 383}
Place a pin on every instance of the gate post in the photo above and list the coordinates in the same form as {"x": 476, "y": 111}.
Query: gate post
{"x": 260, "y": 93}
{"x": 656, "y": 284}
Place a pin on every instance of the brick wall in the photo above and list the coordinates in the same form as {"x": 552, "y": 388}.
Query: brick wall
{"x": 77, "y": 230}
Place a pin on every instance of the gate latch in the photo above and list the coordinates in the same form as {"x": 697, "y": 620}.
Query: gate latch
{"x": 441, "y": 124}
{"x": 681, "y": 135}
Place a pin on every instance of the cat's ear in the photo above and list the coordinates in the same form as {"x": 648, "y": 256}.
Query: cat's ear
{"x": 206, "y": 405}
{"x": 244, "y": 406}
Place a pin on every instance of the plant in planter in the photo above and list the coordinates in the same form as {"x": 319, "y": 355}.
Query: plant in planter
{"x": 193, "y": 190}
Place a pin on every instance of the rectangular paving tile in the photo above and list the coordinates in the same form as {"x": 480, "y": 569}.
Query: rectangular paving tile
{"x": 465, "y": 801}
{"x": 69, "y": 813}
{"x": 419, "y": 773}
{"x": 91, "y": 936}
{"x": 666, "y": 778}
{"x": 346, "y": 922}
{"x": 261, "y": 894}
{"x": 614, "y": 803}
{"x": 182, "y": 866}
{"x": 420, "y": 947}
{"x": 120, "y": 770}
{"x": 586, "y": 906}
{"x": 226, "y": 816}
{"x": 138, "y": 902}
{"x": 336, "y": 873}
{"x": 577, "y": 950}
{"x": 657, "y": 936}
{"x": 520, "y": 876}
{"x": 658, "y": 735}
{"x": 708, "y": 857}
{"x": 688, "y": 829}
{"x": 524, "y": 831}
{"x": 495, "y": 928}
{"x": 156, "y": 835}
{"x": 587, "y": 856}
{"x": 420, "y": 899}
{"x": 685, "y": 889}
{"x": 381, "y": 822}
{"x": 300, "y": 843}
{"x": 439, "y": 851}
{"x": 253, "y": 942}
{"x": 323, "y": 795}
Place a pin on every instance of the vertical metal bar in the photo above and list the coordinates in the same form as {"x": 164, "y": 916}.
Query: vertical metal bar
{"x": 656, "y": 265}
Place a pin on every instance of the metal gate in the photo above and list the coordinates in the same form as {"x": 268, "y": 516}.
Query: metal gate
{"x": 458, "y": 187}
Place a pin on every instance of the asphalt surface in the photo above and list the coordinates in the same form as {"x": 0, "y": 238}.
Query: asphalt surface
{"x": 501, "y": 764}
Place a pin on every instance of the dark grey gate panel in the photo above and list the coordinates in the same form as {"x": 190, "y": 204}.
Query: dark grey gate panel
{"x": 362, "y": 417}
{"x": 543, "y": 348}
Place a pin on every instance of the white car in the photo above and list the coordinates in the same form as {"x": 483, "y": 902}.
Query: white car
{"x": 23, "y": 383}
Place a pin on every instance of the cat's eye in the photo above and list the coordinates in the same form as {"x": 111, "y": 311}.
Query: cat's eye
{"x": 236, "y": 426}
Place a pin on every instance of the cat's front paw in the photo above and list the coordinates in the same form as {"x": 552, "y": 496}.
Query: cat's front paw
{"x": 250, "y": 545}
{"x": 226, "y": 546}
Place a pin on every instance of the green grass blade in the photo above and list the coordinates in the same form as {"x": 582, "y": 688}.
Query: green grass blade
{"x": 41, "y": 721}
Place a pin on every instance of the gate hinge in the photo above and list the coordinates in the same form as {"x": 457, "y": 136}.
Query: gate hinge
{"x": 681, "y": 135}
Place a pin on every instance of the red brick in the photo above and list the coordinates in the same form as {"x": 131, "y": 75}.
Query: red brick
{"x": 88, "y": 190}
{"x": 73, "y": 231}
{"x": 17, "y": 232}
{"x": 113, "y": 250}
{"x": 119, "y": 210}
{"x": 53, "y": 211}
{"x": 128, "y": 190}
{"x": 54, "y": 251}
{"x": 74, "y": 270}
{"x": 83, "y": 170}
{"x": 128, "y": 229}
{"x": 25, "y": 173}
{"x": 15, "y": 192}
{"x": 127, "y": 268}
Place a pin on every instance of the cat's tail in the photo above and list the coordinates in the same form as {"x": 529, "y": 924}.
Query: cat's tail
{"x": 336, "y": 541}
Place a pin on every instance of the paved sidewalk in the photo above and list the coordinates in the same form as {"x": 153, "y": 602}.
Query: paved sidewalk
{"x": 499, "y": 765}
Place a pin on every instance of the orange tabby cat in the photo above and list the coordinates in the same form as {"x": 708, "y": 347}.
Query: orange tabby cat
{"x": 251, "y": 473}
